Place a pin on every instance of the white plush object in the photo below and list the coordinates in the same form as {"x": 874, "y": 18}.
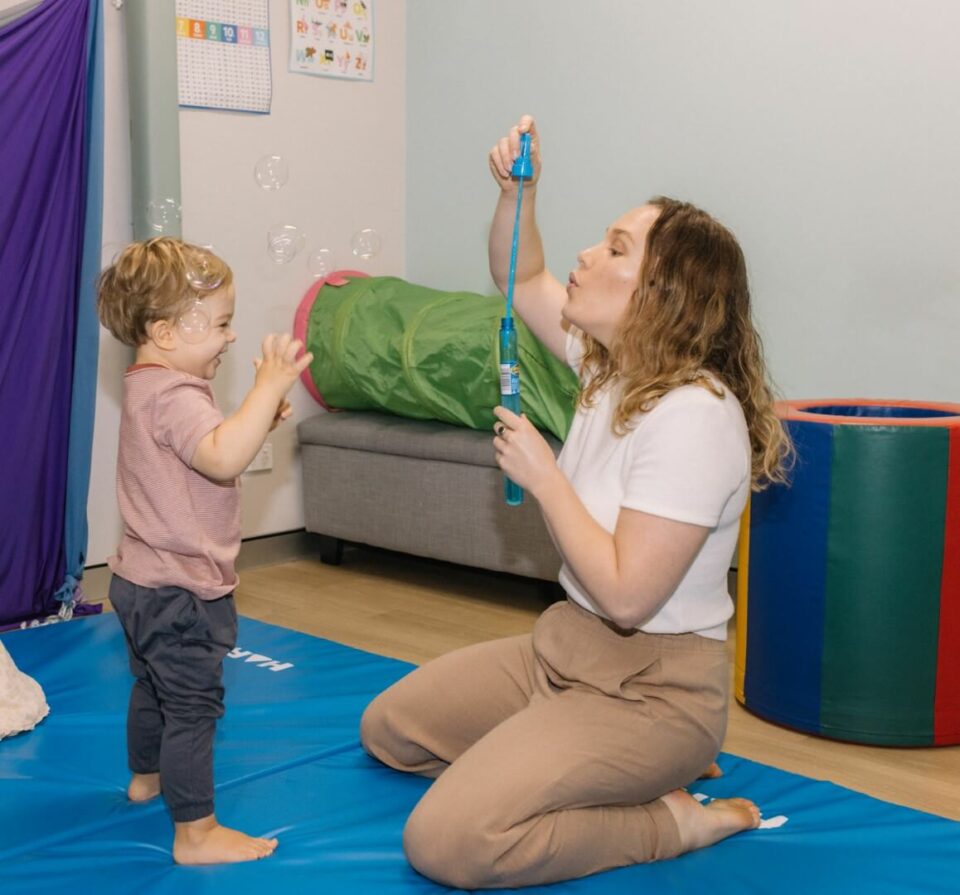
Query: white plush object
{"x": 22, "y": 704}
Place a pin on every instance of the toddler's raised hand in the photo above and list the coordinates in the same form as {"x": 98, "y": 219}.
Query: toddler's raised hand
{"x": 279, "y": 367}
{"x": 284, "y": 409}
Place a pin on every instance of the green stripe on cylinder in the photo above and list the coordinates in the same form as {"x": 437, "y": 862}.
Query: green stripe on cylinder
{"x": 884, "y": 559}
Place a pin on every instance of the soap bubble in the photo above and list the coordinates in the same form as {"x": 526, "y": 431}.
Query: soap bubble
{"x": 365, "y": 243}
{"x": 322, "y": 263}
{"x": 194, "y": 322}
{"x": 283, "y": 242}
{"x": 271, "y": 172}
{"x": 203, "y": 272}
{"x": 163, "y": 215}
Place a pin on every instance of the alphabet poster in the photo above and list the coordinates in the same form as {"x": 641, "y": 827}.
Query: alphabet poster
{"x": 223, "y": 54}
{"x": 333, "y": 38}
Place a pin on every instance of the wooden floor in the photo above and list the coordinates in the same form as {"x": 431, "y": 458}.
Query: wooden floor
{"x": 416, "y": 609}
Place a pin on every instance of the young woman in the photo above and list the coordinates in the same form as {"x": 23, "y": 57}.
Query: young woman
{"x": 564, "y": 752}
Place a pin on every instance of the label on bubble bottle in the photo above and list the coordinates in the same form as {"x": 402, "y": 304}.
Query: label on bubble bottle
{"x": 510, "y": 379}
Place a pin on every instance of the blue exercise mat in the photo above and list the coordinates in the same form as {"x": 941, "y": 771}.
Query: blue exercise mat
{"x": 288, "y": 763}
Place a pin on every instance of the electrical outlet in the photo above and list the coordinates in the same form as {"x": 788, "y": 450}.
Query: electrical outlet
{"x": 264, "y": 459}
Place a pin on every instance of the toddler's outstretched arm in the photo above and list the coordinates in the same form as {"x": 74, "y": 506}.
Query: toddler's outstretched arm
{"x": 227, "y": 451}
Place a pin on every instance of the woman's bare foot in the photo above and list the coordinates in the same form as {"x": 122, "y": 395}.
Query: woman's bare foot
{"x": 204, "y": 841}
{"x": 703, "y": 825}
{"x": 711, "y": 773}
{"x": 143, "y": 787}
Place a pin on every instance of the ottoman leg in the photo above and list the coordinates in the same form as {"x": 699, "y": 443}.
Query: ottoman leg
{"x": 331, "y": 550}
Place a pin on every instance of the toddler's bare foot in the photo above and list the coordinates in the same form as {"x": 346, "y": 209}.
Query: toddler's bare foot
{"x": 204, "y": 841}
{"x": 143, "y": 787}
{"x": 703, "y": 825}
{"x": 711, "y": 773}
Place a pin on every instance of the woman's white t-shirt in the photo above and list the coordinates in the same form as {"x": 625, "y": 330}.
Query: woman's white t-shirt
{"x": 687, "y": 459}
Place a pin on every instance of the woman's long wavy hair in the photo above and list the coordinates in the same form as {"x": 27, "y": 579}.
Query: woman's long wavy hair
{"x": 689, "y": 315}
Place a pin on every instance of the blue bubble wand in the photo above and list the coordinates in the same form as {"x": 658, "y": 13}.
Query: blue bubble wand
{"x": 509, "y": 357}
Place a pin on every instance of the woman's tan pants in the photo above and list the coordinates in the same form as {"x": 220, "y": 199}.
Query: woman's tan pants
{"x": 551, "y": 750}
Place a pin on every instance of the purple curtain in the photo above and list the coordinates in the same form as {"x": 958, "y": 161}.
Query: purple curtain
{"x": 43, "y": 116}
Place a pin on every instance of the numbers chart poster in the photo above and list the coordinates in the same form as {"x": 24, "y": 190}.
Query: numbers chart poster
{"x": 333, "y": 38}
{"x": 223, "y": 54}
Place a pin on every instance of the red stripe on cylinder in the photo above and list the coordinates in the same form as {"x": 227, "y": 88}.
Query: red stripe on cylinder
{"x": 946, "y": 716}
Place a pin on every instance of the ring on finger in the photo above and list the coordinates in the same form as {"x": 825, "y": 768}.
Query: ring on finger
{"x": 500, "y": 428}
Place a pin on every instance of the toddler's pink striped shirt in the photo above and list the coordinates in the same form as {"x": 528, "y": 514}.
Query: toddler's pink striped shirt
{"x": 180, "y": 528}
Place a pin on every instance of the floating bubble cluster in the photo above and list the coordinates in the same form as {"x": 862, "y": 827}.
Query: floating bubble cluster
{"x": 194, "y": 322}
{"x": 365, "y": 243}
{"x": 202, "y": 271}
{"x": 271, "y": 172}
{"x": 322, "y": 263}
{"x": 284, "y": 241}
{"x": 163, "y": 215}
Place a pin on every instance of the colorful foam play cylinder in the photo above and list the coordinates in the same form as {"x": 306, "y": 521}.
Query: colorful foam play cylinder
{"x": 848, "y": 604}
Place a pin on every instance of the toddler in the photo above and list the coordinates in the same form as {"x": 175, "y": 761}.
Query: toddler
{"x": 178, "y": 490}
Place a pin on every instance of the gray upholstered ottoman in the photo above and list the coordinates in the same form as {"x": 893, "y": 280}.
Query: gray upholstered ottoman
{"x": 424, "y": 488}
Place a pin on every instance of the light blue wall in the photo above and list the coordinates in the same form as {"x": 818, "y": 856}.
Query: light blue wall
{"x": 825, "y": 133}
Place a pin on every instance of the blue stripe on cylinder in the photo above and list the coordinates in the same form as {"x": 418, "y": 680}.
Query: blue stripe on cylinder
{"x": 787, "y": 580}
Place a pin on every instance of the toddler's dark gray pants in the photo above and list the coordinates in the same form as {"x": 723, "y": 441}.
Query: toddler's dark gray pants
{"x": 176, "y": 643}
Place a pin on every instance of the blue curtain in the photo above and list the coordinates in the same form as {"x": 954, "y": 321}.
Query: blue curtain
{"x": 51, "y": 113}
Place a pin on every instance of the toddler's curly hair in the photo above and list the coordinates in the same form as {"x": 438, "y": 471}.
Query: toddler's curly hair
{"x": 150, "y": 281}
